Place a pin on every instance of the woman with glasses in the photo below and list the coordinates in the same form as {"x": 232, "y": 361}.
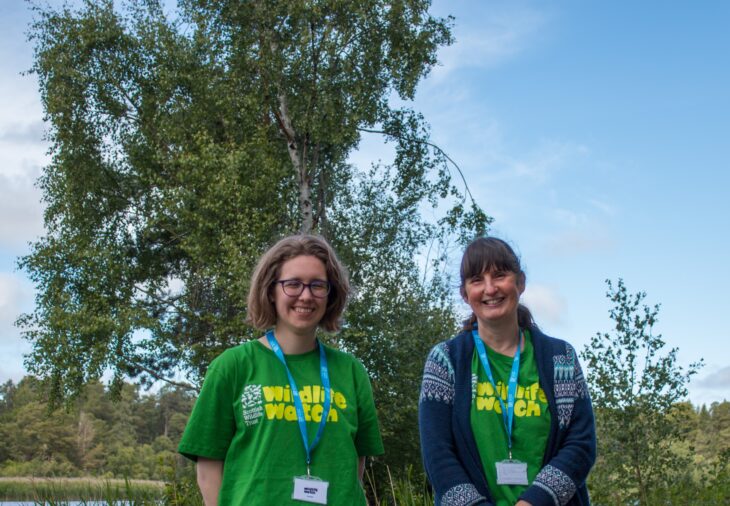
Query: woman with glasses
{"x": 504, "y": 412}
{"x": 285, "y": 419}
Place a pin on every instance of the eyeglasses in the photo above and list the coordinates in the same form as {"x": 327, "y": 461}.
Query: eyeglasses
{"x": 294, "y": 287}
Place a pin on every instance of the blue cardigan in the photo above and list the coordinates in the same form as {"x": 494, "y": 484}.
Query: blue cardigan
{"x": 450, "y": 453}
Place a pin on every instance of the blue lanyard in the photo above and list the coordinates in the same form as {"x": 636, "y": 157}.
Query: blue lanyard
{"x": 325, "y": 375}
{"x": 507, "y": 414}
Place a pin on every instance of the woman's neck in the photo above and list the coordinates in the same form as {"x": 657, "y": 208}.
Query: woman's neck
{"x": 292, "y": 343}
{"x": 501, "y": 337}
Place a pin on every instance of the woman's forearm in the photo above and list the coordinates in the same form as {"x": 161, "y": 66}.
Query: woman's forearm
{"x": 360, "y": 467}
{"x": 210, "y": 476}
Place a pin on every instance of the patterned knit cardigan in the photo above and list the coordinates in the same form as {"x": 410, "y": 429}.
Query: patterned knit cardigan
{"x": 450, "y": 453}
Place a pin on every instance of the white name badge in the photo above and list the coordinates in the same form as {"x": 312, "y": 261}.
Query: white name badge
{"x": 511, "y": 472}
{"x": 310, "y": 489}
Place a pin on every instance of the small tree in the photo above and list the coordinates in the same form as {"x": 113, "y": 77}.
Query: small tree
{"x": 634, "y": 386}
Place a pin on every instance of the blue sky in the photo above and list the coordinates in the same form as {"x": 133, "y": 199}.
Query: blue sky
{"x": 594, "y": 132}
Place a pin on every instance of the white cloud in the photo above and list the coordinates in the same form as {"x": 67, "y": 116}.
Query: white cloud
{"x": 699, "y": 396}
{"x": 546, "y": 159}
{"x": 545, "y": 303}
{"x": 21, "y": 104}
{"x": 588, "y": 239}
{"x": 11, "y": 367}
{"x": 717, "y": 380}
{"x": 22, "y": 149}
{"x": 22, "y": 153}
{"x": 604, "y": 207}
{"x": 570, "y": 218}
{"x": 16, "y": 296}
{"x": 534, "y": 168}
{"x": 24, "y": 133}
{"x": 21, "y": 209}
{"x": 487, "y": 39}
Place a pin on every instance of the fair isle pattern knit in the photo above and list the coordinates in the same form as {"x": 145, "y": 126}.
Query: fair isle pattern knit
{"x": 556, "y": 483}
{"x": 464, "y": 494}
{"x": 474, "y": 381}
{"x": 438, "y": 376}
{"x": 443, "y": 405}
{"x": 569, "y": 385}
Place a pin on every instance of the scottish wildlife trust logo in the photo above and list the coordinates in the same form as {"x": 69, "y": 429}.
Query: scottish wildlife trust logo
{"x": 253, "y": 408}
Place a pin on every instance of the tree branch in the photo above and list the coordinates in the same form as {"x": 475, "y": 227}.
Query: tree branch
{"x": 427, "y": 143}
{"x": 158, "y": 377}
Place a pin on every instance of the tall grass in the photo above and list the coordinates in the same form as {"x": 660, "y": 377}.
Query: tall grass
{"x": 59, "y": 491}
{"x": 407, "y": 490}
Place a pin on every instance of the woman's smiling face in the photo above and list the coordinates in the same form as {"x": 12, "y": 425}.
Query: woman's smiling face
{"x": 300, "y": 314}
{"x": 494, "y": 295}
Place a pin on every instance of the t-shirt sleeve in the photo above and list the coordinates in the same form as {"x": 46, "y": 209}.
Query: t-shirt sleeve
{"x": 211, "y": 426}
{"x": 367, "y": 441}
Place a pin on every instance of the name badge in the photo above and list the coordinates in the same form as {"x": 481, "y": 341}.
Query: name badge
{"x": 511, "y": 472}
{"x": 310, "y": 489}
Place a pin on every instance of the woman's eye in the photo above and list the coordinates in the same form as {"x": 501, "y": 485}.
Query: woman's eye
{"x": 293, "y": 284}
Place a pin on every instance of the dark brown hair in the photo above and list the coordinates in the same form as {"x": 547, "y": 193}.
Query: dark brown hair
{"x": 261, "y": 310}
{"x": 492, "y": 254}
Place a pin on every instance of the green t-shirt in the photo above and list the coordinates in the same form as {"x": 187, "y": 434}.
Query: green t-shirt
{"x": 245, "y": 416}
{"x": 531, "y": 422}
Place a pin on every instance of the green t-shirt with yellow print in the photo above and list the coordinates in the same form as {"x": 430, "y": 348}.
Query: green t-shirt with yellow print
{"x": 531, "y": 422}
{"x": 245, "y": 416}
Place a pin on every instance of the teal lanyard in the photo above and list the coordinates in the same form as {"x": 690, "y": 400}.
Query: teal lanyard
{"x": 507, "y": 414}
{"x": 325, "y": 376}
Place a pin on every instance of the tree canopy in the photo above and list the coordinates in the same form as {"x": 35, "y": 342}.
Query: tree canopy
{"x": 184, "y": 146}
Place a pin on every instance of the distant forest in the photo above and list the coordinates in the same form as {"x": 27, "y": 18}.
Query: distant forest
{"x": 129, "y": 435}
{"x": 136, "y": 434}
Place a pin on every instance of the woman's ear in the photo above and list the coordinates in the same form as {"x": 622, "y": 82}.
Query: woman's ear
{"x": 521, "y": 282}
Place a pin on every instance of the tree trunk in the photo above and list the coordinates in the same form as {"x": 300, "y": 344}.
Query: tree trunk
{"x": 643, "y": 501}
{"x": 297, "y": 154}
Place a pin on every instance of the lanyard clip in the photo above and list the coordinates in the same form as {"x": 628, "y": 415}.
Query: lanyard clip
{"x": 309, "y": 474}
{"x": 510, "y": 453}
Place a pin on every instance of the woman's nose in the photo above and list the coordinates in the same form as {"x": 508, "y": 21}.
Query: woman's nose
{"x": 306, "y": 293}
{"x": 489, "y": 286}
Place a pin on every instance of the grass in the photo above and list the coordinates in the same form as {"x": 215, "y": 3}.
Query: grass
{"x": 404, "y": 491}
{"x": 58, "y": 491}
{"x": 408, "y": 490}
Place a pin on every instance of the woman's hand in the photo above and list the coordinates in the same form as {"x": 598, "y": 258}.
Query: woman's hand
{"x": 522, "y": 503}
{"x": 210, "y": 477}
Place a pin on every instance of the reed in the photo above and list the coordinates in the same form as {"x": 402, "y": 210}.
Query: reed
{"x": 59, "y": 491}
{"x": 406, "y": 490}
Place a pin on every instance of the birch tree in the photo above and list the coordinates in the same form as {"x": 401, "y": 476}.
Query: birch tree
{"x": 184, "y": 145}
